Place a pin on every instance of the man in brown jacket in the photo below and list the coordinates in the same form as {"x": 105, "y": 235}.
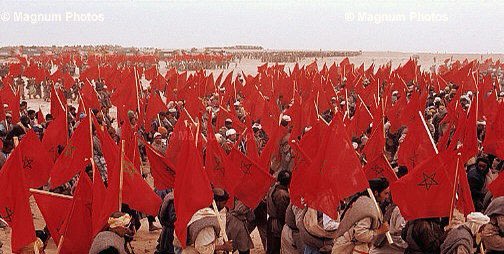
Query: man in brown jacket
{"x": 277, "y": 200}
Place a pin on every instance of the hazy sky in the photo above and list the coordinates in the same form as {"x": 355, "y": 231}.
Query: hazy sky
{"x": 430, "y": 26}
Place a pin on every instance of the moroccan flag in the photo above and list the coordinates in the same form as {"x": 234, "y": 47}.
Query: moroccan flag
{"x": 14, "y": 202}
{"x": 154, "y": 106}
{"x": 77, "y": 228}
{"x": 54, "y": 208}
{"x": 426, "y": 191}
{"x": 136, "y": 192}
{"x": 131, "y": 144}
{"x": 36, "y": 160}
{"x": 192, "y": 185}
{"x": 162, "y": 170}
{"x": 380, "y": 167}
{"x": 417, "y": 146}
{"x": 99, "y": 195}
{"x": 56, "y": 135}
{"x": 40, "y": 116}
{"x": 249, "y": 181}
{"x": 215, "y": 160}
{"x": 12, "y": 100}
{"x": 496, "y": 187}
{"x": 90, "y": 97}
{"x": 335, "y": 172}
{"x": 58, "y": 103}
{"x": 494, "y": 137}
{"x": 299, "y": 173}
{"x": 74, "y": 157}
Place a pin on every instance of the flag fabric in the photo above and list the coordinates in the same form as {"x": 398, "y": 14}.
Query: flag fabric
{"x": 55, "y": 135}
{"x": 75, "y": 156}
{"x": 215, "y": 160}
{"x": 36, "y": 161}
{"x": 40, "y": 117}
{"x": 336, "y": 172}
{"x": 162, "y": 170}
{"x": 426, "y": 191}
{"x": 248, "y": 181}
{"x": 54, "y": 208}
{"x": 417, "y": 146}
{"x": 58, "y": 103}
{"x": 378, "y": 168}
{"x": 90, "y": 97}
{"x": 154, "y": 106}
{"x": 14, "y": 202}
{"x": 496, "y": 187}
{"x": 77, "y": 228}
{"x": 192, "y": 187}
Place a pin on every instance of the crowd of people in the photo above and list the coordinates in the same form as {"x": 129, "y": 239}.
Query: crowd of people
{"x": 368, "y": 221}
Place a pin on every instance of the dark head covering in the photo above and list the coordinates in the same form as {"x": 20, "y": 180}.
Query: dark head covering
{"x": 220, "y": 195}
{"x": 378, "y": 184}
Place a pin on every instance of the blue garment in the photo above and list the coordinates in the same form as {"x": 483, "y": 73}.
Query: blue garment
{"x": 310, "y": 250}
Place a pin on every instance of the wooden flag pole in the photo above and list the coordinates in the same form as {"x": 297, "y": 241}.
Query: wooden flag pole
{"x": 455, "y": 183}
{"x": 53, "y": 194}
{"x": 371, "y": 195}
{"x": 428, "y": 132}
{"x": 221, "y": 223}
{"x": 91, "y": 135}
{"x": 121, "y": 175}
{"x": 365, "y": 106}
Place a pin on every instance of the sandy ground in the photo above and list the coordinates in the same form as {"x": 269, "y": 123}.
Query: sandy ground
{"x": 145, "y": 241}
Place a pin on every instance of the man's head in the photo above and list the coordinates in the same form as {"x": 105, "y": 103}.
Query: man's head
{"x": 231, "y": 135}
{"x": 23, "y": 105}
{"x": 120, "y": 223}
{"x": 221, "y": 197}
{"x": 380, "y": 188}
{"x": 157, "y": 138}
{"x": 31, "y": 114}
{"x": 482, "y": 164}
{"x": 228, "y": 123}
{"x": 284, "y": 178}
{"x": 8, "y": 117}
{"x": 25, "y": 121}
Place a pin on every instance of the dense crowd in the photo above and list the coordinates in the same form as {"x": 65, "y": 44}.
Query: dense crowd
{"x": 295, "y": 156}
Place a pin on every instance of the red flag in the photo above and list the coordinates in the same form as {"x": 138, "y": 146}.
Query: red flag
{"x": 249, "y": 182}
{"x": 380, "y": 167}
{"x": 36, "y": 160}
{"x": 75, "y": 156}
{"x": 77, "y": 228}
{"x": 12, "y": 100}
{"x": 215, "y": 160}
{"x": 40, "y": 117}
{"x": 192, "y": 185}
{"x": 496, "y": 187}
{"x": 99, "y": 210}
{"x": 90, "y": 97}
{"x": 154, "y": 106}
{"x": 494, "y": 137}
{"x": 417, "y": 146}
{"x": 58, "y": 103}
{"x": 336, "y": 172}
{"x": 54, "y": 208}
{"x": 162, "y": 170}
{"x": 426, "y": 191}
{"x": 55, "y": 135}
{"x": 14, "y": 202}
